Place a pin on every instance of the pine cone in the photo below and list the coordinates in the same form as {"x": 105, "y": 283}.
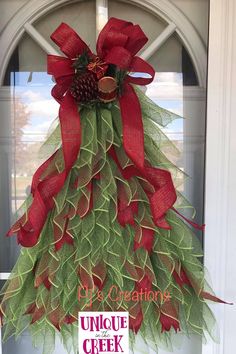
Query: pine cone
{"x": 84, "y": 87}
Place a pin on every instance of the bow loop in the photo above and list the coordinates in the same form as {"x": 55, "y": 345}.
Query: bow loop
{"x": 68, "y": 41}
{"x": 59, "y": 66}
{"x": 113, "y": 24}
{"x": 141, "y": 68}
{"x": 114, "y": 38}
{"x": 136, "y": 38}
{"x": 120, "y": 57}
{"x": 120, "y": 33}
{"x": 59, "y": 90}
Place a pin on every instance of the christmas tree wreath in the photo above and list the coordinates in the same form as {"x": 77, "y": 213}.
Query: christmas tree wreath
{"x": 103, "y": 209}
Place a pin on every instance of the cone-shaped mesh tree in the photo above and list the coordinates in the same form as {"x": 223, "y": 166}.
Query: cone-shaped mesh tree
{"x": 103, "y": 215}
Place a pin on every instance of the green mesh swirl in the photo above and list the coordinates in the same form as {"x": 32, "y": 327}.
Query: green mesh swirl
{"x": 102, "y": 245}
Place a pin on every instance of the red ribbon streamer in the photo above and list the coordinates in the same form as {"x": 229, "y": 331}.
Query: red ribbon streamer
{"x": 164, "y": 196}
{"x": 45, "y": 188}
{"x": 133, "y": 136}
{"x": 193, "y": 224}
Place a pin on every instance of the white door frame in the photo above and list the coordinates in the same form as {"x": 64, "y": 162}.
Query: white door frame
{"x": 220, "y": 191}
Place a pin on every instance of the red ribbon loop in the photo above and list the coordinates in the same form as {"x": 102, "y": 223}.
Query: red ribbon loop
{"x": 105, "y": 40}
{"x": 114, "y": 39}
{"x": 140, "y": 66}
{"x": 58, "y": 66}
{"x": 119, "y": 56}
{"x": 68, "y": 41}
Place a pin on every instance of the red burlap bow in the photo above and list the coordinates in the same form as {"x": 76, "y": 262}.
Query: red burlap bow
{"x": 117, "y": 44}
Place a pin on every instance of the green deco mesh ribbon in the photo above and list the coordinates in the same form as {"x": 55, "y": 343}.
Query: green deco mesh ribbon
{"x": 42, "y": 292}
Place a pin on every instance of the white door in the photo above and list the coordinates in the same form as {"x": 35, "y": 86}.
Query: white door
{"x": 177, "y": 49}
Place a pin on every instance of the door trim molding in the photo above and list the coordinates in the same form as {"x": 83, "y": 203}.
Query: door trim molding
{"x": 220, "y": 191}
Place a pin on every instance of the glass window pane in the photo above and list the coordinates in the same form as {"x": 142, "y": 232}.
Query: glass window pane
{"x": 81, "y": 16}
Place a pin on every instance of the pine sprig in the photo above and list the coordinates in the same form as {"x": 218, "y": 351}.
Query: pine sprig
{"x": 82, "y": 61}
